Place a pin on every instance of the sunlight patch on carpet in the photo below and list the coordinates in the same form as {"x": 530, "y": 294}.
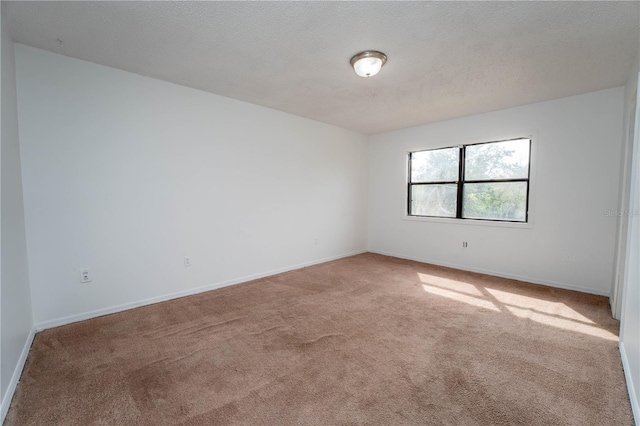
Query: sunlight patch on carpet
{"x": 446, "y": 283}
{"x": 542, "y": 306}
{"x": 550, "y": 313}
{"x": 562, "y": 323}
{"x": 470, "y": 300}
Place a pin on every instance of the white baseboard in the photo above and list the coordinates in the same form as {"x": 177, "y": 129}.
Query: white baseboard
{"x": 43, "y": 325}
{"x": 15, "y": 378}
{"x": 496, "y": 274}
{"x": 633, "y": 396}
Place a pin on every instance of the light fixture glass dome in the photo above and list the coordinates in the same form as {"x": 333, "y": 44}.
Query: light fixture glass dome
{"x": 368, "y": 63}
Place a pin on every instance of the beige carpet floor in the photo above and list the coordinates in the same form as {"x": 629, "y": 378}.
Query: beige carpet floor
{"x": 364, "y": 340}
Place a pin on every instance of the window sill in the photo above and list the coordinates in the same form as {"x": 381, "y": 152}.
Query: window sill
{"x": 521, "y": 225}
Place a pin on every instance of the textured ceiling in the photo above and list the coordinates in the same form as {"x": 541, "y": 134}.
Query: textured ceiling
{"x": 446, "y": 59}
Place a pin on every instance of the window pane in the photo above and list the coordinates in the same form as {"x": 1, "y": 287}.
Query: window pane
{"x": 497, "y": 160}
{"x": 438, "y": 165}
{"x": 497, "y": 201}
{"x": 433, "y": 200}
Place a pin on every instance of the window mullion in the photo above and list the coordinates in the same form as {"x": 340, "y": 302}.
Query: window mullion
{"x": 409, "y": 195}
{"x": 460, "y": 182}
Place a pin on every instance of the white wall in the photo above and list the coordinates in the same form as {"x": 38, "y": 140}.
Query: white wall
{"x": 15, "y": 318}
{"x": 126, "y": 175}
{"x": 630, "y": 98}
{"x": 577, "y": 143}
{"x": 630, "y": 318}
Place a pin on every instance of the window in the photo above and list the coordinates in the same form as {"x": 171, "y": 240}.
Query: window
{"x": 485, "y": 181}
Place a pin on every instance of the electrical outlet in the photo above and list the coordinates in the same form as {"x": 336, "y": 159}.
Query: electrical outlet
{"x": 187, "y": 261}
{"x": 85, "y": 276}
{"x": 464, "y": 244}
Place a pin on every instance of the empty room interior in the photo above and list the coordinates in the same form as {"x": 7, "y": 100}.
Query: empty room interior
{"x": 320, "y": 213}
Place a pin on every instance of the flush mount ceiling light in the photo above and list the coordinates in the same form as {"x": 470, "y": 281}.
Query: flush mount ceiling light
{"x": 368, "y": 63}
